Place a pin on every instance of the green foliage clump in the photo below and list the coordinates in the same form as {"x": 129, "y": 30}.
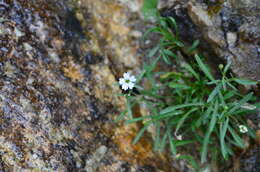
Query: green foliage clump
{"x": 188, "y": 105}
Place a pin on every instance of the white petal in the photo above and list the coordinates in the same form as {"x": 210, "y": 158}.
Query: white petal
{"x": 179, "y": 137}
{"x": 126, "y": 76}
{"x": 243, "y": 129}
{"x": 125, "y": 87}
{"x": 122, "y": 81}
{"x": 131, "y": 85}
{"x": 132, "y": 79}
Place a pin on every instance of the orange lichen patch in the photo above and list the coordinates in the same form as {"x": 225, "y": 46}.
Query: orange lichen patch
{"x": 72, "y": 71}
{"x": 140, "y": 153}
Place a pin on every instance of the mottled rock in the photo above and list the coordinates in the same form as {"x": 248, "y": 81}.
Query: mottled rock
{"x": 233, "y": 35}
{"x": 57, "y": 89}
{"x": 199, "y": 15}
{"x": 248, "y": 7}
{"x": 251, "y": 160}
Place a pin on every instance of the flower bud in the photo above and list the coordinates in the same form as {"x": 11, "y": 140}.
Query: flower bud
{"x": 221, "y": 66}
{"x": 226, "y": 107}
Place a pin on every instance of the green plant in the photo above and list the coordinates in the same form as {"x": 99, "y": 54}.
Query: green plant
{"x": 188, "y": 105}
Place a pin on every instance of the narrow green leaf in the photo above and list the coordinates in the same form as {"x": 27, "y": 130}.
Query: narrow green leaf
{"x": 157, "y": 140}
{"x": 194, "y": 46}
{"x": 231, "y": 86}
{"x": 173, "y": 24}
{"x": 169, "y": 53}
{"x": 206, "y": 114}
{"x": 224, "y": 85}
{"x": 140, "y": 77}
{"x": 178, "y": 43}
{"x": 213, "y": 82}
{"x": 172, "y": 145}
{"x": 227, "y": 67}
{"x": 177, "y": 85}
{"x": 214, "y": 93}
{"x": 153, "y": 51}
{"x": 229, "y": 94}
{"x": 207, "y": 137}
{"x": 166, "y": 115}
{"x": 141, "y": 132}
{"x": 163, "y": 143}
{"x": 129, "y": 108}
{"x": 153, "y": 29}
{"x": 121, "y": 116}
{"x": 236, "y": 137}
{"x": 240, "y": 103}
{"x": 137, "y": 119}
{"x": 165, "y": 58}
{"x": 173, "y": 108}
{"x": 245, "y": 82}
{"x": 223, "y": 130}
{"x": 168, "y": 36}
{"x": 191, "y": 70}
{"x": 203, "y": 67}
{"x": 221, "y": 98}
{"x": 183, "y": 142}
{"x": 181, "y": 121}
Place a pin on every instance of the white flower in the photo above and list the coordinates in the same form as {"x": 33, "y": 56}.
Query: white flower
{"x": 243, "y": 129}
{"x": 127, "y": 82}
{"x": 179, "y": 137}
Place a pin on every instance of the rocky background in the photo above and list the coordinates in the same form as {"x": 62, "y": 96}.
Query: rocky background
{"x": 59, "y": 64}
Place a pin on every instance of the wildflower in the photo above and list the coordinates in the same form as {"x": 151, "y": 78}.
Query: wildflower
{"x": 179, "y": 137}
{"x": 127, "y": 82}
{"x": 243, "y": 129}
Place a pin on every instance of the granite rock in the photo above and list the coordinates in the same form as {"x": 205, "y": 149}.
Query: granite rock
{"x": 57, "y": 89}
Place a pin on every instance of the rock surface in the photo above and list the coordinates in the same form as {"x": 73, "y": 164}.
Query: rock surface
{"x": 57, "y": 88}
{"x": 230, "y": 27}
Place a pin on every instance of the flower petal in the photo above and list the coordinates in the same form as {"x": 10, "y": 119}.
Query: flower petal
{"x": 122, "y": 81}
{"x": 243, "y": 129}
{"x": 132, "y": 79}
{"x": 125, "y": 87}
{"x": 127, "y": 75}
{"x": 131, "y": 85}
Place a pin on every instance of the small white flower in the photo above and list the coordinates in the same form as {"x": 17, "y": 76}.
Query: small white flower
{"x": 179, "y": 137}
{"x": 127, "y": 82}
{"x": 243, "y": 129}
